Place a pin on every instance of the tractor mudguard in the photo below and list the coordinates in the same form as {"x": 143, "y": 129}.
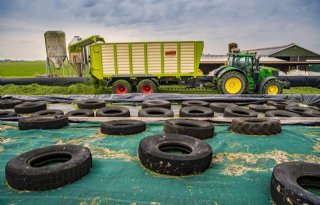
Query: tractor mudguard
{"x": 230, "y": 69}
{"x": 265, "y": 80}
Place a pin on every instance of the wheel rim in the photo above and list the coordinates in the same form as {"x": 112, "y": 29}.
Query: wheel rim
{"x": 233, "y": 85}
{"x": 273, "y": 89}
{"x": 146, "y": 89}
{"x": 121, "y": 89}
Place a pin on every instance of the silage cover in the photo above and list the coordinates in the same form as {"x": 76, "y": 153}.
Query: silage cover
{"x": 240, "y": 172}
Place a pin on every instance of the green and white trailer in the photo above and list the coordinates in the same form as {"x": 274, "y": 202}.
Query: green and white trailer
{"x": 143, "y": 65}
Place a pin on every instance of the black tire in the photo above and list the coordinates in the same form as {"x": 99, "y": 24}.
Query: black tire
{"x": 48, "y": 112}
{"x": 121, "y": 87}
{"x": 80, "y": 113}
{"x": 280, "y": 105}
{"x": 156, "y": 103}
{"x": 195, "y": 128}
{"x": 297, "y": 109}
{"x": 43, "y": 122}
{"x": 256, "y": 126}
{"x": 91, "y": 104}
{"x": 311, "y": 113}
{"x": 281, "y": 113}
{"x": 269, "y": 83}
{"x": 262, "y": 108}
{"x": 7, "y": 114}
{"x": 219, "y": 107}
{"x": 29, "y": 107}
{"x": 152, "y": 154}
{"x": 196, "y": 111}
{"x": 147, "y": 86}
{"x": 194, "y": 103}
{"x": 155, "y": 112}
{"x": 287, "y": 183}
{"x": 8, "y": 103}
{"x": 123, "y": 127}
{"x": 113, "y": 111}
{"x": 232, "y": 74}
{"x": 28, "y": 171}
{"x": 239, "y": 112}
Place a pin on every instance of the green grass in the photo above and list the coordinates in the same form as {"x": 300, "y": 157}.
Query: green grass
{"x": 22, "y": 69}
{"x": 88, "y": 89}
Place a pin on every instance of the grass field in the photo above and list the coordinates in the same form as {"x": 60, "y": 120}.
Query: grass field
{"x": 36, "y": 68}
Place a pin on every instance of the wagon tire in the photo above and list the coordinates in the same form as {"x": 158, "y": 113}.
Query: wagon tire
{"x": 196, "y": 111}
{"x": 29, "y": 107}
{"x": 91, "y": 104}
{"x": 121, "y": 87}
{"x": 80, "y": 113}
{"x": 8, "y": 103}
{"x": 155, "y": 112}
{"x": 220, "y": 107}
{"x": 239, "y": 112}
{"x": 113, "y": 111}
{"x": 261, "y": 108}
{"x": 147, "y": 86}
{"x": 194, "y": 103}
{"x": 281, "y": 113}
{"x": 156, "y": 103}
{"x": 47, "y": 112}
{"x": 28, "y": 171}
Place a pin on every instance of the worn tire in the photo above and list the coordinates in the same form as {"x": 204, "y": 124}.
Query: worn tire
{"x": 232, "y": 74}
{"x": 8, "y": 103}
{"x": 156, "y": 103}
{"x": 280, "y": 113}
{"x": 152, "y": 154}
{"x": 48, "y": 112}
{"x": 219, "y": 107}
{"x": 28, "y": 171}
{"x": 311, "y": 113}
{"x": 155, "y": 112}
{"x": 7, "y": 114}
{"x": 239, "y": 112}
{"x": 91, "y": 104}
{"x": 113, "y": 111}
{"x": 256, "y": 126}
{"x": 280, "y": 105}
{"x": 194, "y": 103}
{"x": 287, "y": 183}
{"x": 29, "y": 107}
{"x": 121, "y": 87}
{"x": 43, "y": 122}
{"x": 80, "y": 113}
{"x": 147, "y": 86}
{"x": 297, "y": 109}
{"x": 262, "y": 108}
{"x": 123, "y": 127}
{"x": 195, "y": 128}
{"x": 195, "y": 111}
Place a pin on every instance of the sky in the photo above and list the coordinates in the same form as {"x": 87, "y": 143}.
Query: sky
{"x": 250, "y": 23}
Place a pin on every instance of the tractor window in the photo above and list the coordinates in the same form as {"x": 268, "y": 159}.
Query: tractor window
{"x": 241, "y": 62}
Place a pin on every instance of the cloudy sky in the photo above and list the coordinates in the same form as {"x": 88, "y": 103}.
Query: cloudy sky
{"x": 250, "y": 23}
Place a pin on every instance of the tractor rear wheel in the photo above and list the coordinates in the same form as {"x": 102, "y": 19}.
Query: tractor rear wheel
{"x": 121, "y": 87}
{"x": 233, "y": 83}
{"x": 271, "y": 87}
{"x": 147, "y": 86}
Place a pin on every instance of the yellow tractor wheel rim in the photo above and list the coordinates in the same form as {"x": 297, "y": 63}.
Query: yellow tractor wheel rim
{"x": 273, "y": 89}
{"x": 233, "y": 85}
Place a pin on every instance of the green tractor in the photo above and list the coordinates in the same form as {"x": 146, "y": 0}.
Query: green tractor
{"x": 242, "y": 74}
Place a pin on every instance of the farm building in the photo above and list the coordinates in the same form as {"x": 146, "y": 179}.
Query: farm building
{"x": 286, "y": 58}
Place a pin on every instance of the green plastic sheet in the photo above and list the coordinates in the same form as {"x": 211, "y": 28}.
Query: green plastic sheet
{"x": 240, "y": 172}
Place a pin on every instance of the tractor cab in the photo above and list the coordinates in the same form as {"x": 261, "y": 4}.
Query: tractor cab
{"x": 244, "y": 62}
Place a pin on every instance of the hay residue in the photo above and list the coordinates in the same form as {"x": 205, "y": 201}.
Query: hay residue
{"x": 1, "y": 149}
{"x": 105, "y": 153}
{"x": 316, "y": 147}
{"x": 6, "y": 140}
{"x": 83, "y": 140}
{"x": 238, "y": 170}
{"x": 239, "y": 163}
{"x": 5, "y": 127}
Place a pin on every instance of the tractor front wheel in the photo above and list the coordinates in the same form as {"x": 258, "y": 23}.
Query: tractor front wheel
{"x": 271, "y": 87}
{"x": 121, "y": 87}
{"x": 147, "y": 86}
{"x": 232, "y": 83}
